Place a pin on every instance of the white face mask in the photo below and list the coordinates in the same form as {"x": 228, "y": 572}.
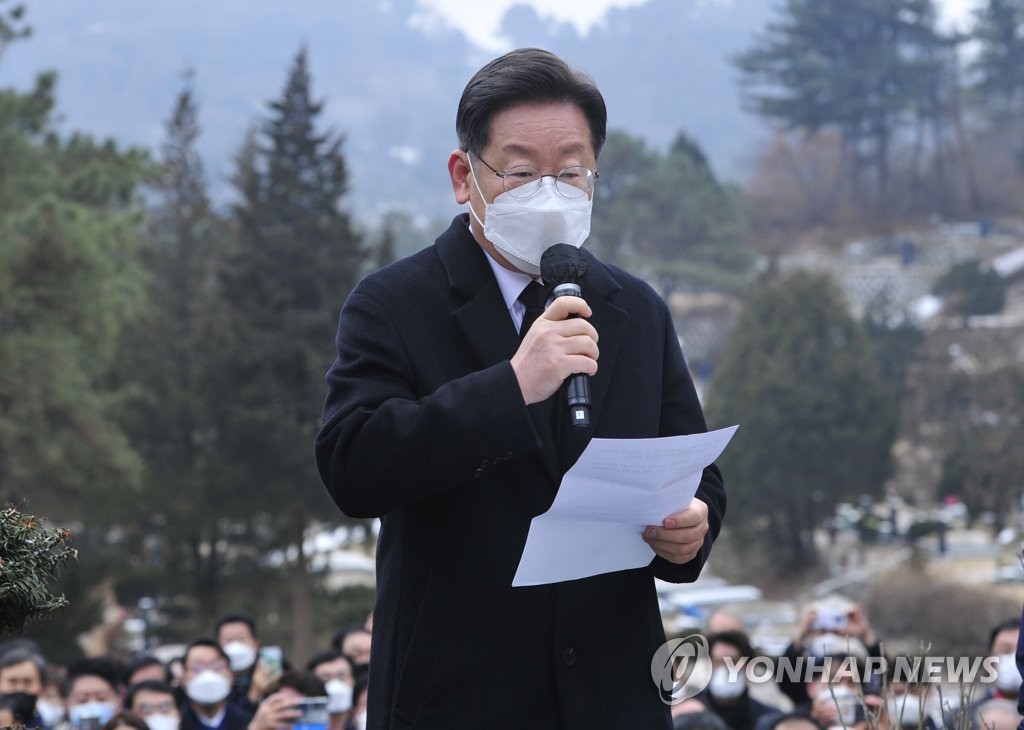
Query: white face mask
{"x": 1008, "y": 677}
{"x": 523, "y": 229}
{"x": 722, "y": 687}
{"x": 50, "y": 712}
{"x": 339, "y": 696}
{"x": 163, "y": 722}
{"x": 100, "y": 711}
{"x": 904, "y": 711}
{"x": 845, "y": 700}
{"x": 208, "y": 687}
{"x": 241, "y": 655}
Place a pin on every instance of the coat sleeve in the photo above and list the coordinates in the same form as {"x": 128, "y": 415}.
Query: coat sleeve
{"x": 681, "y": 413}
{"x": 382, "y": 445}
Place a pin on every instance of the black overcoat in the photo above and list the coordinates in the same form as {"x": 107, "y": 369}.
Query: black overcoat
{"x": 425, "y": 427}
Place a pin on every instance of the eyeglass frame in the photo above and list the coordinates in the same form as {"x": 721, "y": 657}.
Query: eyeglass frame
{"x": 594, "y": 175}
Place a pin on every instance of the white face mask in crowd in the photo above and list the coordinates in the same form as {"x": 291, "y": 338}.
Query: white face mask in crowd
{"x": 904, "y": 711}
{"x": 240, "y": 655}
{"x": 161, "y": 721}
{"x": 98, "y": 711}
{"x": 523, "y": 229}
{"x": 50, "y": 713}
{"x": 722, "y": 687}
{"x": 846, "y": 701}
{"x": 208, "y": 687}
{"x": 1008, "y": 677}
{"x": 339, "y": 696}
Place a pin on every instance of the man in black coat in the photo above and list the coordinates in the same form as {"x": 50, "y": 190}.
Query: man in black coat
{"x": 445, "y": 422}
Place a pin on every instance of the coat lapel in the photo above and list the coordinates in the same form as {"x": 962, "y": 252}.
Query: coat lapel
{"x": 485, "y": 321}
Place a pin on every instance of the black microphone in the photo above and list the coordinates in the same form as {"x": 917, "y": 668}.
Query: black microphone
{"x": 563, "y": 267}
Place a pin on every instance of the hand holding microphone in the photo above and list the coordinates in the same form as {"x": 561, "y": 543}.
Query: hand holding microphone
{"x": 560, "y": 345}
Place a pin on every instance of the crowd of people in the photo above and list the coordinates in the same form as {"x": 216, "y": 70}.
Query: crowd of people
{"x": 835, "y": 675}
{"x": 226, "y": 681}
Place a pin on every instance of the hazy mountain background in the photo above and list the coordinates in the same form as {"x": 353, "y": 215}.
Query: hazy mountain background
{"x": 390, "y": 73}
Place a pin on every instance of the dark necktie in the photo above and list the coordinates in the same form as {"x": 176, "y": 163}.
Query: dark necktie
{"x": 533, "y": 297}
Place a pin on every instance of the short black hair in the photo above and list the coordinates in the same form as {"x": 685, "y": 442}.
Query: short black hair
{"x": 205, "y": 641}
{"x": 331, "y": 655}
{"x": 739, "y": 639}
{"x": 523, "y": 76}
{"x": 141, "y": 663}
{"x": 146, "y": 685}
{"x": 339, "y": 637}
{"x": 1010, "y": 624}
{"x": 105, "y": 668}
{"x": 305, "y": 683}
{"x": 235, "y": 618}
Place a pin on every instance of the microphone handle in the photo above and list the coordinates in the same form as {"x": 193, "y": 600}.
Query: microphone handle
{"x": 577, "y": 386}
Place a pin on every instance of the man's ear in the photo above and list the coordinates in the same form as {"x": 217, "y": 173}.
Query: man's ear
{"x": 458, "y": 171}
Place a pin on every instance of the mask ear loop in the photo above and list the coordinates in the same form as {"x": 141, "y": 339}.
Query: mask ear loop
{"x": 472, "y": 174}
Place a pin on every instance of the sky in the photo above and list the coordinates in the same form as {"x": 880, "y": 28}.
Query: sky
{"x": 480, "y": 20}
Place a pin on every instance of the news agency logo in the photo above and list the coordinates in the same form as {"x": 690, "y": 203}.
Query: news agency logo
{"x": 681, "y": 668}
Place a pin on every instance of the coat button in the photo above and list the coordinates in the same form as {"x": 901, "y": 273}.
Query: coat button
{"x": 568, "y": 656}
{"x": 478, "y": 471}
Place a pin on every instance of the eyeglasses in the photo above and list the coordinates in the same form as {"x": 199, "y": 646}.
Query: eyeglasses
{"x": 165, "y": 707}
{"x": 197, "y": 667}
{"x": 523, "y": 181}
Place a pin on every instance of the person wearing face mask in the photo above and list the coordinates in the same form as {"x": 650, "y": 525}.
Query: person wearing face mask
{"x": 830, "y": 626}
{"x": 912, "y": 706}
{"x": 445, "y": 417}
{"x": 1003, "y": 641}
{"x": 91, "y": 693}
{"x": 153, "y": 701}
{"x": 338, "y": 674}
{"x": 727, "y": 693}
{"x": 354, "y": 642}
{"x": 22, "y": 674}
{"x": 236, "y": 634}
{"x": 207, "y": 683}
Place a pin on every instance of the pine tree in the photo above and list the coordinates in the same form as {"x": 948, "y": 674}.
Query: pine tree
{"x": 999, "y": 32}
{"x": 858, "y": 67}
{"x": 816, "y": 419}
{"x": 295, "y": 261}
{"x": 171, "y": 356}
{"x": 69, "y": 281}
{"x": 669, "y": 217}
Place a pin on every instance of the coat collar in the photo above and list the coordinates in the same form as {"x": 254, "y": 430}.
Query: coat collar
{"x": 485, "y": 322}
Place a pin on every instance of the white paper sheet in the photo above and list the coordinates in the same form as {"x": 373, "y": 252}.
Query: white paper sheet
{"x": 615, "y": 489}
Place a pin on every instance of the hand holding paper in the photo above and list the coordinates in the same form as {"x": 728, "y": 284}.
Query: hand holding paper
{"x": 605, "y": 501}
{"x": 680, "y": 536}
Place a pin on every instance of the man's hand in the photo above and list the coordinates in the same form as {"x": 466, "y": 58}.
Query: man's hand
{"x": 555, "y": 348}
{"x": 859, "y": 627}
{"x": 681, "y": 535}
{"x": 278, "y": 711}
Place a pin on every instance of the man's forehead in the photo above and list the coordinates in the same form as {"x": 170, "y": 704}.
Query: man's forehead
{"x": 91, "y": 683}
{"x": 20, "y": 668}
{"x": 203, "y": 653}
{"x": 151, "y": 696}
{"x": 235, "y": 628}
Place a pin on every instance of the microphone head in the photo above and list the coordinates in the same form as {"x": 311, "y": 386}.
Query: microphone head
{"x": 562, "y": 264}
